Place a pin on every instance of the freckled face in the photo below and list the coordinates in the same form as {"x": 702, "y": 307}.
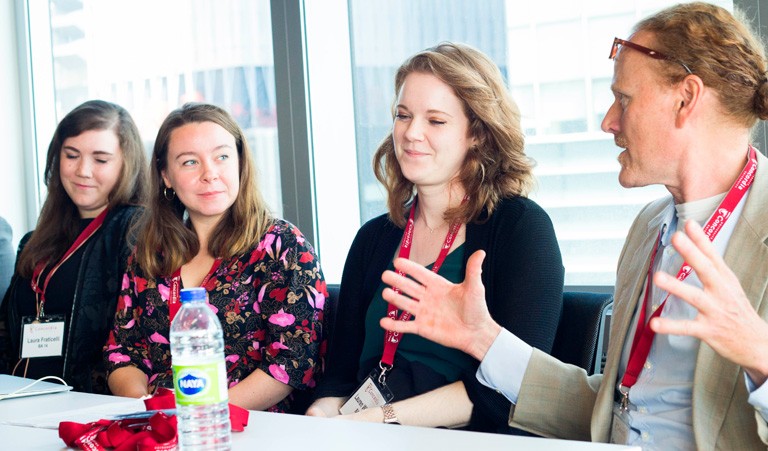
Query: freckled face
{"x": 431, "y": 131}
{"x": 203, "y": 168}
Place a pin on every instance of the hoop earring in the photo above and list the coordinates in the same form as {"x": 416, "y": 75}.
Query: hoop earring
{"x": 168, "y": 196}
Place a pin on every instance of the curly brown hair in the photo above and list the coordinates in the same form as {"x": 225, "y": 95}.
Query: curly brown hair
{"x": 496, "y": 167}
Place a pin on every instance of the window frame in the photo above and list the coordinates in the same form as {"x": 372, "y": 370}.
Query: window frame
{"x": 761, "y": 133}
{"x": 307, "y": 201}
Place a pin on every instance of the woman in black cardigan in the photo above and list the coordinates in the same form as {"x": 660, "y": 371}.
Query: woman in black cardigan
{"x": 68, "y": 270}
{"x": 456, "y": 175}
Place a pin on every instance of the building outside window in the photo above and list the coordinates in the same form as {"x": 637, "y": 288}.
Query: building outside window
{"x": 151, "y": 57}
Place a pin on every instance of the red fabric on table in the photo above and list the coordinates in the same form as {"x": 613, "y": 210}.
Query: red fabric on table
{"x": 165, "y": 399}
{"x": 156, "y": 434}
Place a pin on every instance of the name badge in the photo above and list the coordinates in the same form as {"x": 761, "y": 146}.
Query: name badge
{"x": 370, "y": 394}
{"x": 42, "y": 337}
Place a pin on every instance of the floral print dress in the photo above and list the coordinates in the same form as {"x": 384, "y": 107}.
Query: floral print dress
{"x": 270, "y": 301}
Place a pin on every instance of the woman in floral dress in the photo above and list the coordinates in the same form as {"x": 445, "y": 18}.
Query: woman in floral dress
{"x": 208, "y": 226}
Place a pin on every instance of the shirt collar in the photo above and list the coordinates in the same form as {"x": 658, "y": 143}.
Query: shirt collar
{"x": 677, "y": 214}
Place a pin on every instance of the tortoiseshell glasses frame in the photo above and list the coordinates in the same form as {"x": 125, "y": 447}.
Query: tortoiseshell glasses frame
{"x": 650, "y": 52}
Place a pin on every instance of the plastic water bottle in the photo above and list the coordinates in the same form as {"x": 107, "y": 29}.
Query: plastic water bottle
{"x": 199, "y": 375}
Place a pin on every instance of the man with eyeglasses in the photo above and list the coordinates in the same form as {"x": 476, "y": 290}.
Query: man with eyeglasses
{"x": 688, "y": 353}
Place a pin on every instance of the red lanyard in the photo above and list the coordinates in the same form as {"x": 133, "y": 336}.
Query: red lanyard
{"x": 641, "y": 345}
{"x": 38, "y": 271}
{"x": 392, "y": 339}
{"x": 174, "y": 303}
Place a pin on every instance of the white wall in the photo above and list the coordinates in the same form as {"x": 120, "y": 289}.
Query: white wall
{"x": 13, "y": 196}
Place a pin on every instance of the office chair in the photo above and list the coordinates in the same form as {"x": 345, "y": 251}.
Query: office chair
{"x": 330, "y": 308}
{"x": 583, "y": 325}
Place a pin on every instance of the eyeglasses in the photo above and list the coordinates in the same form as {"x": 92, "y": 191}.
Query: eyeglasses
{"x": 652, "y": 53}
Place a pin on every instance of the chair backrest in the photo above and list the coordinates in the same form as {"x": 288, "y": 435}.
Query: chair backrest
{"x": 581, "y": 329}
{"x": 578, "y": 334}
{"x": 330, "y": 310}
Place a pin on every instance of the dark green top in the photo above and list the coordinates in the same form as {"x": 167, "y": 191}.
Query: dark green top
{"x": 447, "y": 361}
{"x": 523, "y": 280}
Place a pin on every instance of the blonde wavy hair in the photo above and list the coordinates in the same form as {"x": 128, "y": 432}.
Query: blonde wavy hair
{"x": 496, "y": 167}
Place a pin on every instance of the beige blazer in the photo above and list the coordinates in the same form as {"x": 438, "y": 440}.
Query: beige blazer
{"x": 559, "y": 400}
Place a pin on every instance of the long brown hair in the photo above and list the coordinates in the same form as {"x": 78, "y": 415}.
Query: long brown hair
{"x": 59, "y": 220}
{"x": 718, "y": 47}
{"x": 165, "y": 240}
{"x": 496, "y": 167}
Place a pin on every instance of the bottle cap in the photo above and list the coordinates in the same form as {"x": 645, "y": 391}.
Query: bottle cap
{"x": 193, "y": 294}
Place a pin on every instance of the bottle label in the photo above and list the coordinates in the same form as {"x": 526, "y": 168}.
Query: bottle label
{"x": 200, "y": 384}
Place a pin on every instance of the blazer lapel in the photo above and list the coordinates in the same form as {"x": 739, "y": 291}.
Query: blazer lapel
{"x": 715, "y": 378}
{"x": 631, "y": 277}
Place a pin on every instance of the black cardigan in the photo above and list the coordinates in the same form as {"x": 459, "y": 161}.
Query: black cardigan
{"x": 93, "y": 307}
{"x": 523, "y": 279}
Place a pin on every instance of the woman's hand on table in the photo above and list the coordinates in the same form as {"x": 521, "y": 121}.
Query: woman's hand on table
{"x": 325, "y": 407}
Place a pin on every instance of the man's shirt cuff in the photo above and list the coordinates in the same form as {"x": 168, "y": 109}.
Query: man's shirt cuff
{"x": 504, "y": 365}
{"x": 758, "y": 396}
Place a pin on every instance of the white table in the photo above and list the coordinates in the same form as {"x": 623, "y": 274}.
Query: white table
{"x": 30, "y": 424}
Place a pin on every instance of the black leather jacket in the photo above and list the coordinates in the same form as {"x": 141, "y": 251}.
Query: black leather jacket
{"x": 93, "y": 307}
